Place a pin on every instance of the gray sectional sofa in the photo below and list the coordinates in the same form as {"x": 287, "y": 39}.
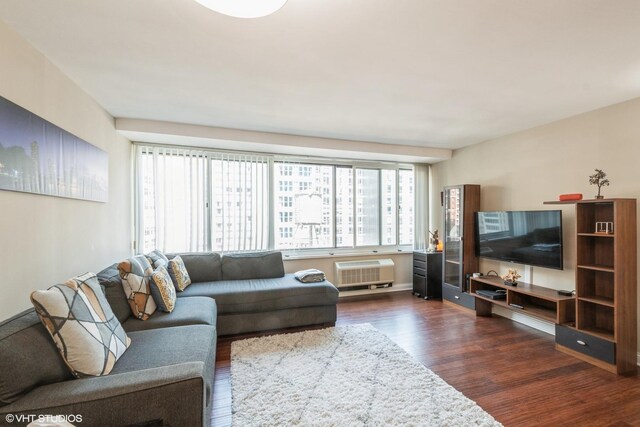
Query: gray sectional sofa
{"x": 253, "y": 293}
{"x": 167, "y": 373}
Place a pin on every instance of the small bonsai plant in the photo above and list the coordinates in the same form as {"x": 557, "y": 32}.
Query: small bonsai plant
{"x": 600, "y": 179}
{"x": 512, "y": 276}
{"x": 434, "y": 240}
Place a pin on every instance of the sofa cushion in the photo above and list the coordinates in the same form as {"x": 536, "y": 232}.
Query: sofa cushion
{"x": 157, "y": 258}
{"x": 167, "y": 347}
{"x": 81, "y": 323}
{"x": 135, "y": 273}
{"x": 254, "y": 265}
{"x": 179, "y": 273}
{"x": 201, "y": 266}
{"x": 188, "y": 311}
{"x": 110, "y": 280}
{"x": 259, "y": 295}
{"x": 28, "y": 357}
{"x": 162, "y": 289}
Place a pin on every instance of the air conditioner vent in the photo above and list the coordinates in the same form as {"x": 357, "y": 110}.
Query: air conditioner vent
{"x": 365, "y": 272}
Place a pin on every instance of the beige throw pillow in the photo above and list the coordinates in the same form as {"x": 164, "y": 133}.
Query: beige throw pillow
{"x": 79, "y": 319}
{"x": 162, "y": 289}
{"x": 179, "y": 274}
{"x": 135, "y": 273}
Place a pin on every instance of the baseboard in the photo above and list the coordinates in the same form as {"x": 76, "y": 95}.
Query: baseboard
{"x": 395, "y": 288}
{"x": 532, "y": 322}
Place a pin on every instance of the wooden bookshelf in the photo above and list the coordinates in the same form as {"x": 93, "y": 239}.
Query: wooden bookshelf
{"x": 605, "y": 330}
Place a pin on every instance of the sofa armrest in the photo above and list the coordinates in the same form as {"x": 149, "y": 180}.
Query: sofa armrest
{"x": 177, "y": 394}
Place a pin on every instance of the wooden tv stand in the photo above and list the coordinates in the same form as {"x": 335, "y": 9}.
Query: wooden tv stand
{"x": 537, "y": 301}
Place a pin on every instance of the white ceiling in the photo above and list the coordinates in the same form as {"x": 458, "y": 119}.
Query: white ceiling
{"x": 430, "y": 73}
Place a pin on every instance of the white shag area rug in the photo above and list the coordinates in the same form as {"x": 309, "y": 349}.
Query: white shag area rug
{"x": 342, "y": 376}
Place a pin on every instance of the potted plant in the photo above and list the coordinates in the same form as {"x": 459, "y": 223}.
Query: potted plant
{"x": 434, "y": 241}
{"x": 600, "y": 179}
{"x": 511, "y": 278}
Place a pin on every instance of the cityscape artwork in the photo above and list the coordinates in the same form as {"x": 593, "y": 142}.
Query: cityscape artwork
{"x": 38, "y": 157}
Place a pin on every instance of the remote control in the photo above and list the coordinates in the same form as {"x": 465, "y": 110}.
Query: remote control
{"x": 565, "y": 293}
{"x": 517, "y": 306}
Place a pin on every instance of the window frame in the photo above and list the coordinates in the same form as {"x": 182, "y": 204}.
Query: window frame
{"x": 271, "y": 160}
{"x": 354, "y": 165}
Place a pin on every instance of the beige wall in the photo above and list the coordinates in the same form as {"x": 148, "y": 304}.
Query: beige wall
{"x": 43, "y": 239}
{"x": 522, "y": 170}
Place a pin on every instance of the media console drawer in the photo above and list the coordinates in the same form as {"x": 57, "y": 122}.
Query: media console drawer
{"x": 586, "y": 344}
{"x": 453, "y": 294}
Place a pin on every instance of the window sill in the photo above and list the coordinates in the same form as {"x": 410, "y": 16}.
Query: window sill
{"x": 368, "y": 253}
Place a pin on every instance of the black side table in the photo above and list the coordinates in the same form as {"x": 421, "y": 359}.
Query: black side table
{"x": 427, "y": 274}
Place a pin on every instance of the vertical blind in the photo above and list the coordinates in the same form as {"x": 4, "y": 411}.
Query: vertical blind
{"x": 190, "y": 199}
{"x": 195, "y": 200}
{"x": 421, "y": 220}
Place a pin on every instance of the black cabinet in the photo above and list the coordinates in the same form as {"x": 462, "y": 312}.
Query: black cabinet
{"x": 427, "y": 274}
{"x": 460, "y": 204}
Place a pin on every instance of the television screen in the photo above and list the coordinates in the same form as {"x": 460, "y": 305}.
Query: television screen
{"x": 524, "y": 237}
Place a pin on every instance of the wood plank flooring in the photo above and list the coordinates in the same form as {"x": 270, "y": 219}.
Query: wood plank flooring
{"x": 512, "y": 371}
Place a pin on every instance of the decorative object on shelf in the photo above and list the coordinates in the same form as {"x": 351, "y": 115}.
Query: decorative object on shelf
{"x": 511, "y": 278}
{"x": 600, "y": 179}
{"x": 604, "y": 227}
{"x": 434, "y": 241}
{"x": 570, "y": 197}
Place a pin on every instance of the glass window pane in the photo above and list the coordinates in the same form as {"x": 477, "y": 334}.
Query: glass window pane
{"x": 303, "y": 206}
{"x": 173, "y": 207}
{"x": 405, "y": 207}
{"x": 148, "y": 204}
{"x": 367, "y": 207}
{"x": 344, "y": 207}
{"x": 389, "y": 207}
{"x": 239, "y": 208}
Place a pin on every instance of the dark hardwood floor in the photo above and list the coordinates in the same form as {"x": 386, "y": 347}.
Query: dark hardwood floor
{"x": 512, "y": 371}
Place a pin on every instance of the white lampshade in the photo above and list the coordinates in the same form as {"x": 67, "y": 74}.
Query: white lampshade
{"x": 244, "y": 8}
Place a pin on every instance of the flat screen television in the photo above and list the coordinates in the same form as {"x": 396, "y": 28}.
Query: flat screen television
{"x": 524, "y": 237}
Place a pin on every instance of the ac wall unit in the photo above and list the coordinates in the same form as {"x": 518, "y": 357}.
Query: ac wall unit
{"x": 366, "y": 272}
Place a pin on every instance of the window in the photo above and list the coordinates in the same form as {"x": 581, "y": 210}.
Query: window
{"x": 405, "y": 207}
{"x": 198, "y": 200}
{"x": 304, "y": 185}
{"x": 286, "y": 216}
{"x": 173, "y": 208}
{"x": 285, "y": 201}
{"x": 344, "y": 207}
{"x": 368, "y": 207}
{"x": 389, "y": 206}
{"x": 286, "y": 232}
{"x": 285, "y": 186}
{"x": 248, "y": 198}
{"x": 309, "y": 206}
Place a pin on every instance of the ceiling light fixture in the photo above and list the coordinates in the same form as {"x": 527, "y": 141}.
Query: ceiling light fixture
{"x": 243, "y": 8}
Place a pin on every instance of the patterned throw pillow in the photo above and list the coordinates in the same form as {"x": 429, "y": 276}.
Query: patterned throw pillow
{"x": 178, "y": 273}
{"x": 136, "y": 275}
{"x": 157, "y": 258}
{"x": 162, "y": 289}
{"x": 81, "y": 323}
